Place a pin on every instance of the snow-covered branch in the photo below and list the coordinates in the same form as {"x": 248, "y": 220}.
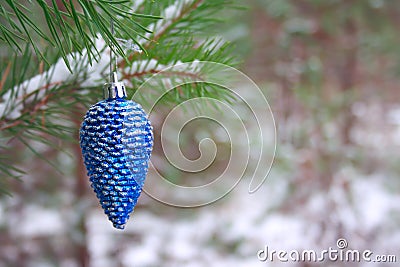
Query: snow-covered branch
{"x": 84, "y": 75}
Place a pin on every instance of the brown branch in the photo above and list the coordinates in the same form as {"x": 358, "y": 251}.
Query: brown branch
{"x": 15, "y": 123}
{"x": 167, "y": 73}
{"x": 139, "y": 74}
{"x": 5, "y": 74}
{"x": 31, "y": 111}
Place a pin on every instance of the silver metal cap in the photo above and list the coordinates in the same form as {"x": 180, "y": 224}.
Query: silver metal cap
{"x": 114, "y": 89}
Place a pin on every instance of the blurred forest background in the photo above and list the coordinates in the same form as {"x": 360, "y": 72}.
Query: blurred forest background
{"x": 330, "y": 70}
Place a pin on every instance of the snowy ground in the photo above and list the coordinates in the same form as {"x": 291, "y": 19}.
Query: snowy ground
{"x": 283, "y": 215}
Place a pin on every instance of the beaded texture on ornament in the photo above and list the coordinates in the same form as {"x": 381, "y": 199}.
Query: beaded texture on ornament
{"x": 116, "y": 140}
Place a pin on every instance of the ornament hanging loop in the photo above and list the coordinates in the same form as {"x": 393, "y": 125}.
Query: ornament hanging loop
{"x": 113, "y": 89}
{"x": 113, "y": 58}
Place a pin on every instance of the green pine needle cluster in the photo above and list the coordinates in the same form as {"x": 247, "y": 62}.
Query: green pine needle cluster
{"x": 69, "y": 25}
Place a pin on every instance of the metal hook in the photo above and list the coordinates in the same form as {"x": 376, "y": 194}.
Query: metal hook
{"x": 113, "y": 89}
{"x": 113, "y": 58}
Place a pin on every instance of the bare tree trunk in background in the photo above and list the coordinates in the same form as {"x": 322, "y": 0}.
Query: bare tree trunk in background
{"x": 81, "y": 249}
{"x": 262, "y": 64}
{"x": 347, "y": 74}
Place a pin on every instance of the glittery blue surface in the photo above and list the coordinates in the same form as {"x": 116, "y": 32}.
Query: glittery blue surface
{"x": 116, "y": 140}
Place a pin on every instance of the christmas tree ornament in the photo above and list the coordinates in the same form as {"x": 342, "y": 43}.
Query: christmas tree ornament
{"x": 116, "y": 140}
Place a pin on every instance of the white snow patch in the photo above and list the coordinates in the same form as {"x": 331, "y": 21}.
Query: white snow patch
{"x": 1, "y": 214}
{"x": 2, "y": 108}
{"x": 36, "y": 221}
{"x": 193, "y": 67}
{"x": 372, "y": 202}
{"x": 136, "y": 4}
{"x": 169, "y": 14}
{"x": 284, "y": 232}
{"x": 139, "y": 256}
{"x": 171, "y": 11}
{"x": 393, "y": 116}
{"x": 94, "y": 72}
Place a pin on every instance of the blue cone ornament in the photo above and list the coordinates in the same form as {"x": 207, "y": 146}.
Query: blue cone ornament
{"x": 116, "y": 140}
